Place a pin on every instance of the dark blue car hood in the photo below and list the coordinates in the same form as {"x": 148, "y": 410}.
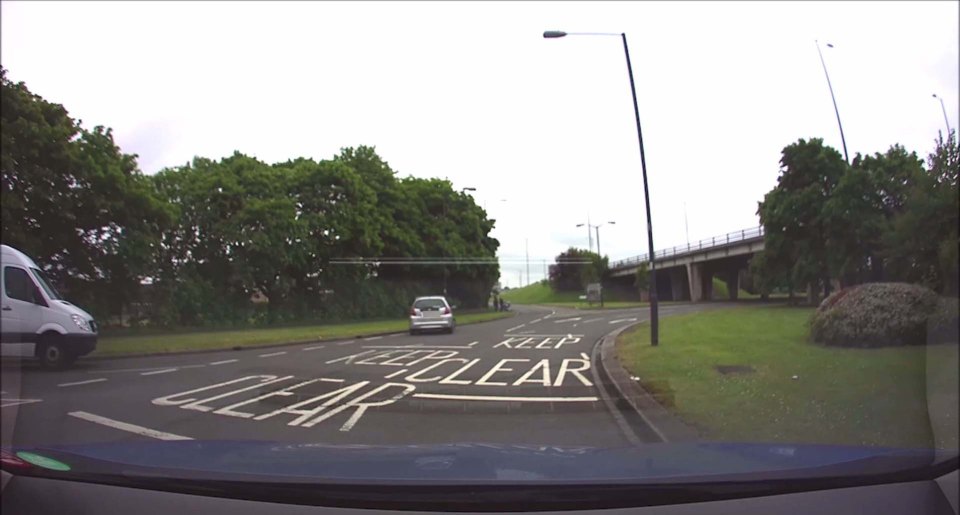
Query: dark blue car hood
{"x": 480, "y": 462}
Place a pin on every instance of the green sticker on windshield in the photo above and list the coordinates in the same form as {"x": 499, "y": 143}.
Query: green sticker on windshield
{"x": 43, "y": 461}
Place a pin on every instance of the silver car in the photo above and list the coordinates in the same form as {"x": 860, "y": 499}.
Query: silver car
{"x": 431, "y": 313}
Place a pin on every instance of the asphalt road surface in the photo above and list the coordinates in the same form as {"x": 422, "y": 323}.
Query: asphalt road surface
{"x": 528, "y": 379}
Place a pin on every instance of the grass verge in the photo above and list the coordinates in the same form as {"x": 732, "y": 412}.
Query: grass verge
{"x": 213, "y": 340}
{"x": 798, "y": 392}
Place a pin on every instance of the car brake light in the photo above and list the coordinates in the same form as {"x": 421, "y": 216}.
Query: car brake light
{"x": 413, "y": 312}
{"x": 446, "y": 311}
{"x": 11, "y": 462}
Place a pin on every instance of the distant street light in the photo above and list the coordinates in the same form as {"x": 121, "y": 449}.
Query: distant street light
{"x": 654, "y": 318}
{"x": 944, "y": 113}
{"x": 835, "y": 110}
{"x": 468, "y": 189}
{"x": 597, "y": 229}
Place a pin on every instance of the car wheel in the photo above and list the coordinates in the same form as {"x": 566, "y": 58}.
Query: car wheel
{"x": 450, "y": 330}
{"x": 52, "y": 352}
{"x": 413, "y": 332}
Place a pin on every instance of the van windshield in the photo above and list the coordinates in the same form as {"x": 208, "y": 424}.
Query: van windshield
{"x": 45, "y": 284}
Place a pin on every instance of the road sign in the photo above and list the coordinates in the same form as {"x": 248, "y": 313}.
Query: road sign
{"x": 593, "y": 292}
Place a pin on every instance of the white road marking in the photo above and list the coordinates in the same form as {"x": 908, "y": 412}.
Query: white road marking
{"x": 471, "y": 344}
{"x": 346, "y": 342}
{"x": 591, "y": 320}
{"x": 272, "y": 354}
{"x": 623, "y": 320}
{"x": 395, "y": 374}
{"x": 123, "y": 426}
{"x": 192, "y": 366}
{"x": 393, "y": 335}
{"x": 315, "y": 347}
{"x": 535, "y": 321}
{"x": 224, "y": 362}
{"x": 566, "y": 320}
{"x": 501, "y": 398}
{"x": 419, "y": 346}
{"x": 161, "y": 371}
{"x": 372, "y": 338}
{"x": 15, "y": 402}
{"x": 125, "y": 370}
{"x": 78, "y": 383}
{"x": 517, "y": 327}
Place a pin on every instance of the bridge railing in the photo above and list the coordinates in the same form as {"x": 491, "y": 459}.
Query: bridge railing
{"x": 706, "y": 243}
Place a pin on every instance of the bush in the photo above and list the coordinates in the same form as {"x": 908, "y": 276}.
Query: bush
{"x": 875, "y": 315}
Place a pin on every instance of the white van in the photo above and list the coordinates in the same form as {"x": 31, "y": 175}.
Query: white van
{"x": 36, "y": 321}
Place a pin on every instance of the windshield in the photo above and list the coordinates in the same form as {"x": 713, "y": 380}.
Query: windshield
{"x": 45, "y": 284}
{"x": 467, "y": 242}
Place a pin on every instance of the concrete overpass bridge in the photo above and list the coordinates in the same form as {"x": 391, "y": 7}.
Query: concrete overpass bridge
{"x": 686, "y": 272}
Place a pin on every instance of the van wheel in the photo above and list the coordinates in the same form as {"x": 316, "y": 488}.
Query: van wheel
{"x": 52, "y": 352}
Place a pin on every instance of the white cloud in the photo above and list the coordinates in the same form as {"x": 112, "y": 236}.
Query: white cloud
{"x": 470, "y": 91}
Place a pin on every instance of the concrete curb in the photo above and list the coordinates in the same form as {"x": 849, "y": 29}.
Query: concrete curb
{"x": 261, "y": 346}
{"x": 653, "y": 422}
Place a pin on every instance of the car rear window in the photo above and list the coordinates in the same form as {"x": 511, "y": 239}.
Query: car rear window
{"x": 429, "y": 304}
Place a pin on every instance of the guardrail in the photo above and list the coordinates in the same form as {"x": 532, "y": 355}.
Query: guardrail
{"x": 706, "y": 243}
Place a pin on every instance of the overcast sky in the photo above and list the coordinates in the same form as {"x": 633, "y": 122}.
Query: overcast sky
{"x": 473, "y": 93}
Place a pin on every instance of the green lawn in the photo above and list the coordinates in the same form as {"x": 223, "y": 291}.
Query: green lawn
{"x": 542, "y": 294}
{"x": 199, "y": 340}
{"x": 840, "y": 395}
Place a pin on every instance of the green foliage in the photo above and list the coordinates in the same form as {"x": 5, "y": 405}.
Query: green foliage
{"x": 641, "y": 279}
{"x": 576, "y": 268}
{"x": 192, "y": 244}
{"x": 874, "y": 315}
{"x": 74, "y": 202}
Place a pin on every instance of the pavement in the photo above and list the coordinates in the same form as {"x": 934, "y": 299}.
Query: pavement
{"x": 529, "y": 379}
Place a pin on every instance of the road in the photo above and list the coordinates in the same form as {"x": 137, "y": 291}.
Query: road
{"x": 528, "y": 379}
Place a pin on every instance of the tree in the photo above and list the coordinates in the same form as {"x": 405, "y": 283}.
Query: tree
{"x": 575, "y": 268}
{"x": 796, "y": 232}
{"x": 921, "y": 242}
{"x": 641, "y": 279}
{"x": 74, "y": 202}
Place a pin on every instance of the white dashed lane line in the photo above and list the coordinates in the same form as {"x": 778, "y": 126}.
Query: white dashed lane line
{"x": 123, "y": 426}
{"x": 224, "y": 362}
{"x": 78, "y": 383}
{"x": 4, "y": 403}
{"x": 516, "y": 327}
{"x": 192, "y": 366}
{"x": 591, "y": 320}
{"x": 161, "y": 371}
{"x": 346, "y": 342}
{"x": 272, "y": 354}
{"x": 372, "y": 338}
{"x": 315, "y": 347}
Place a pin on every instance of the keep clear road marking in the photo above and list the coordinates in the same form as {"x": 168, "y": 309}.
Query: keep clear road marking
{"x": 566, "y": 320}
{"x": 501, "y": 398}
{"x": 272, "y": 354}
{"x": 623, "y": 320}
{"x": 224, "y": 362}
{"x": 161, "y": 371}
{"x": 123, "y": 426}
{"x": 516, "y": 327}
{"x": 315, "y": 347}
{"x": 395, "y": 374}
{"x": 78, "y": 383}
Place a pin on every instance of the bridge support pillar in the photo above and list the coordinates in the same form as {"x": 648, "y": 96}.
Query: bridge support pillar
{"x": 678, "y": 290}
{"x": 733, "y": 284}
{"x": 700, "y": 280}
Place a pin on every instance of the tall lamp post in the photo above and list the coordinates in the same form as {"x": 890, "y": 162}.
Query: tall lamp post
{"x": 944, "y": 113}
{"x": 654, "y": 320}
{"x": 835, "y": 110}
{"x": 597, "y": 229}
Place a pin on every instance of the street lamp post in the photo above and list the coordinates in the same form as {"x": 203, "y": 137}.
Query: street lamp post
{"x": 947, "y": 121}
{"x": 835, "y": 110}
{"x": 654, "y": 318}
